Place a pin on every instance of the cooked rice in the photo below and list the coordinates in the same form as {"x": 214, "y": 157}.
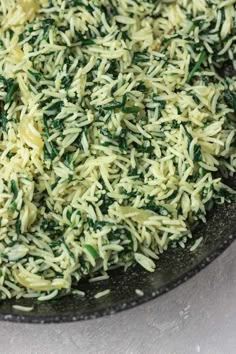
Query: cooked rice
{"x": 139, "y": 292}
{"x": 196, "y": 244}
{"x": 115, "y": 127}
{"x": 22, "y": 308}
{"x": 102, "y": 293}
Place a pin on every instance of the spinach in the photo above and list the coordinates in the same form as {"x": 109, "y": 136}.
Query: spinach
{"x": 197, "y": 66}
{"x": 14, "y": 188}
{"x": 197, "y": 153}
{"x": 122, "y": 105}
{"x": 11, "y": 89}
{"x": 158, "y": 209}
{"x": 230, "y": 99}
{"x": 141, "y": 57}
{"x": 92, "y": 251}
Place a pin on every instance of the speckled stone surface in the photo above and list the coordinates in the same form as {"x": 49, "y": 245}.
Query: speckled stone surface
{"x": 197, "y": 317}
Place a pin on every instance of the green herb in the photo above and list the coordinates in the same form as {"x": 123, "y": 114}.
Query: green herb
{"x": 158, "y": 209}
{"x": 18, "y": 226}
{"x": 14, "y": 188}
{"x": 92, "y": 251}
{"x": 197, "y": 153}
{"x": 12, "y": 88}
{"x": 37, "y": 75}
{"x": 124, "y": 105}
{"x": 141, "y": 57}
{"x": 85, "y": 41}
{"x": 230, "y": 99}
{"x": 3, "y": 120}
{"x": 197, "y": 66}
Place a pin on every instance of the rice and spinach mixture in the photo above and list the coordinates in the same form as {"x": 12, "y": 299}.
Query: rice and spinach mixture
{"x": 117, "y": 123}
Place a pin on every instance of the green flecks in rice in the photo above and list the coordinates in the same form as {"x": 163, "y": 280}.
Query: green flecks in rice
{"x": 114, "y": 126}
{"x": 139, "y": 292}
{"x": 22, "y": 308}
{"x": 196, "y": 244}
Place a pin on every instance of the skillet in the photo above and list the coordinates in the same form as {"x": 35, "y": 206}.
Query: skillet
{"x": 174, "y": 267}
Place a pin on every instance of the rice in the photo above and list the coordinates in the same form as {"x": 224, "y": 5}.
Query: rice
{"x": 139, "y": 292}
{"x": 196, "y": 244}
{"x": 115, "y": 125}
{"x": 22, "y": 308}
{"x": 78, "y": 292}
{"x": 102, "y": 293}
{"x": 99, "y": 278}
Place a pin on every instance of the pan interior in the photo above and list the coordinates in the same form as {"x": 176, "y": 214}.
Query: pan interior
{"x": 174, "y": 267}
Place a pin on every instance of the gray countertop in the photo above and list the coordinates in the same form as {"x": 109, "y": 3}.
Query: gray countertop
{"x": 197, "y": 317}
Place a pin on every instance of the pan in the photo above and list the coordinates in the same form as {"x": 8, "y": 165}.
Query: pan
{"x": 135, "y": 286}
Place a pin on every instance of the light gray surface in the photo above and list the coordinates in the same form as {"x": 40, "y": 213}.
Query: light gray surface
{"x": 198, "y": 317}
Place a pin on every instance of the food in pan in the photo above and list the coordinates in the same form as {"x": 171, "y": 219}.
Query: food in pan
{"x": 117, "y": 130}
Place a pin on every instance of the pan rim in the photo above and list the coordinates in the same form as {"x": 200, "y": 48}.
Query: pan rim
{"x": 123, "y": 306}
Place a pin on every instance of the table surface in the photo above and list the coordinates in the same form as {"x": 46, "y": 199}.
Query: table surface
{"x": 197, "y": 317}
